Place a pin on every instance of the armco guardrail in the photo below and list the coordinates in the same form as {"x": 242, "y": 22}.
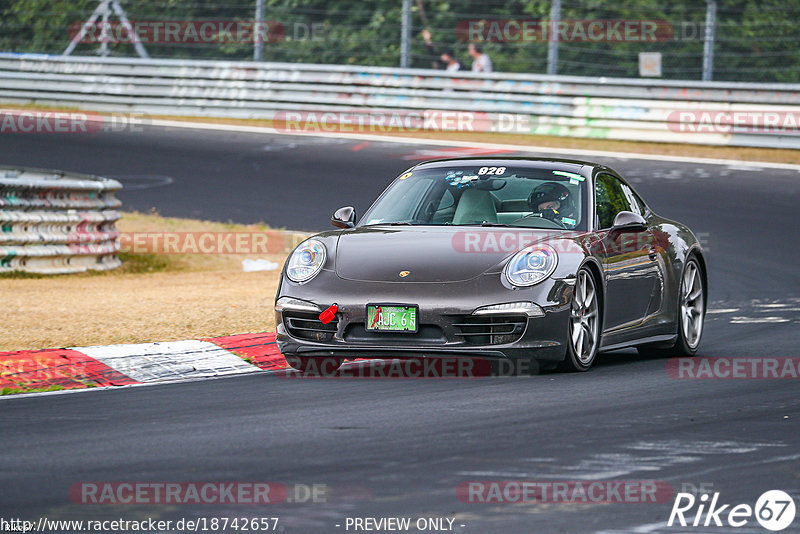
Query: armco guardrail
{"x": 53, "y": 222}
{"x": 720, "y": 113}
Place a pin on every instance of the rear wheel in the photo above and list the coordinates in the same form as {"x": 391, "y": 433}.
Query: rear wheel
{"x": 584, "y": 324}
{"x": 316, "y": 365}
{"x": 691, "y": 314}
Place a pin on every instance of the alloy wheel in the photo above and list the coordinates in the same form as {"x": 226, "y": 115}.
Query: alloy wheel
{"x": 692, "y": 305}
{"x": 584, "y": 320}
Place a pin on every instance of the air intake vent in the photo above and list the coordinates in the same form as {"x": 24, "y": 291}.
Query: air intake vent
{"x": 490, "y": 330}
{"x": 308, "y": 326}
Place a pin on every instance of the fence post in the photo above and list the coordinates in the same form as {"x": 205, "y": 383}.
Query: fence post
{"x": 258, "y": 45}
{"x": 405, "y": 37}
{"x": 552, "y": 43}
{"x": 708, "y": 45}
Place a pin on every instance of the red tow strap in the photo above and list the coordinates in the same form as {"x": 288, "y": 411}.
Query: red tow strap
{"x": 329, "y": 314}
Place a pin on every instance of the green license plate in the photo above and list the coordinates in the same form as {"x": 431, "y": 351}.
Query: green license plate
{"x": 383, "y": 318}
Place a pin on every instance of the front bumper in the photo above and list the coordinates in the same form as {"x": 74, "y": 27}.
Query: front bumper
{"x": 443, "y": 311}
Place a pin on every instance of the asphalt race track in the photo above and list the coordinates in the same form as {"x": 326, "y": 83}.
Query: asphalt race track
{"x": 400, "y": 448}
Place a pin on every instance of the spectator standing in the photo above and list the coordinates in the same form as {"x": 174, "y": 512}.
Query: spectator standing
{"x": 480, "y": 62}
{"x": 440, "y": 60}
{"x": 450, "y": 62}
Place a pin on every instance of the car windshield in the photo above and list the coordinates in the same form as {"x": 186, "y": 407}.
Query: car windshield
{"x": 483, "y": 195}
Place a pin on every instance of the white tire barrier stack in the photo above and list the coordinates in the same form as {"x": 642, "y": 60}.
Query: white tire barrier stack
{"x": 53, "y": 222}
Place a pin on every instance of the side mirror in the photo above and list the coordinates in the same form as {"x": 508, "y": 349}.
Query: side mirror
{"x": 627, "y": 221}
{"x": 344, "y": 217}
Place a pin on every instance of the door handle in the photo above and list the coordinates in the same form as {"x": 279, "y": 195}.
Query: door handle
{"x": 653, "y": 254}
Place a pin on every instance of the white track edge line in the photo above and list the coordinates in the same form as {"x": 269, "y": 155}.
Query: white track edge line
{"x": 467, "y": 144}
{"x": 138, "y": 384}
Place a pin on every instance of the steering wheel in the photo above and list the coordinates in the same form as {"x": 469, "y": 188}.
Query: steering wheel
{"x": 557, "y": 223}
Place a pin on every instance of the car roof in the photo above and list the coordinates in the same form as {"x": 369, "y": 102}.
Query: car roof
{"x": 533, "y": 163}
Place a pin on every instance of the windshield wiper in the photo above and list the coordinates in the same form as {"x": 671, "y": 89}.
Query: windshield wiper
{"x": 485, "y": 224}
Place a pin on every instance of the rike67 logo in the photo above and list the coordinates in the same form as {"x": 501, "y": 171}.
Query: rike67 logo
{"x": 774, "y": 510}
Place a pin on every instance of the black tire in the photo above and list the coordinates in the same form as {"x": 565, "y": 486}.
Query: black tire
{"x": 691, "y": 303}
{"x": 314, "y": 365}
{"x": 585, "y": 323}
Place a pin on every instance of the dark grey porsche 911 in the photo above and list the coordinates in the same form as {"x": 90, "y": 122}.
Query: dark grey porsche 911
{"x": 511, "y": 258}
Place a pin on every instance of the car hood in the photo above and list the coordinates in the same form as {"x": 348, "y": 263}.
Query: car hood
{"x": 429, "y": 254}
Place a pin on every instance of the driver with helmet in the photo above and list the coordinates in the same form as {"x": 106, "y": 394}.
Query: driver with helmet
{"x": 552, "y": 201}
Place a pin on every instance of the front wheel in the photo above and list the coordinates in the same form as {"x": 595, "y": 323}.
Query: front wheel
{"x": 584, "y": 324}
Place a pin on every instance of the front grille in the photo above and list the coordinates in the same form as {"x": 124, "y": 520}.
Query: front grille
{"x": 308, "y": 326}
{"x": 490, "y": 329}
{"x": 427, "y": 334}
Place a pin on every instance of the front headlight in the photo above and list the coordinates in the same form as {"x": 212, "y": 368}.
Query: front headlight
{"x": 531, "y": 265}
{"x": 306, "y": 261}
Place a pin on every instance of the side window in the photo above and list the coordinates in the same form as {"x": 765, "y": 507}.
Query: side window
{"x": 637, "y": 205}
{"x": 447, "y": 201}
{"x": 610, "y": 199}
{"x": 642, "y": 206}
{"x": 444, "y": 210}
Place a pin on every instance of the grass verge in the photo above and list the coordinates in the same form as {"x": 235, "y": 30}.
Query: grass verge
{"x": 152, "y": 297}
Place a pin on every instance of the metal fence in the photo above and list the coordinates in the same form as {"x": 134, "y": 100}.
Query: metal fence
{"x": 53, "y": 223}
{"x": 748, "y": 40}
{"x": 716, "y": 113}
